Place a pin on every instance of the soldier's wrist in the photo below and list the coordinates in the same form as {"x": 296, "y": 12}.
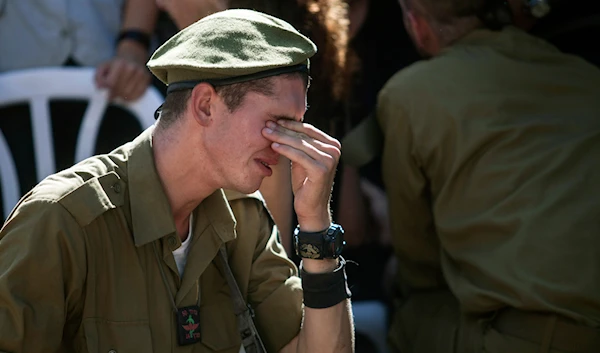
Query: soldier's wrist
{"x": 324, "y": 290}
{"x": 319, "y": 266}
{"x": 316, "y": 223}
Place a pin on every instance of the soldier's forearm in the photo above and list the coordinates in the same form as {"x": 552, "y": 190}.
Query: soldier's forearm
{"x": 327, "y": 330}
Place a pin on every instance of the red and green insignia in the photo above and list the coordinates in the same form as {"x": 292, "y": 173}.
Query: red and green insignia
{"x": 188, "y": 322}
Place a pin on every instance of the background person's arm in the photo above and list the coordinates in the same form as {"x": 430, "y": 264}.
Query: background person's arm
{"x": 126, "y": 75}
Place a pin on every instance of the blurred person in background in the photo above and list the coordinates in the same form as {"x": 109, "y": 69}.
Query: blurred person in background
{"x": 489, "y": 158}
{"x": 114, "y": 36}
{"x": 380, "y": 46}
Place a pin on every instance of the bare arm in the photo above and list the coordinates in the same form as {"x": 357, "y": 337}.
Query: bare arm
{"x": 314, "y": 157}
{"x": 140, "y": 15}
{"x": 126, "y": 75}
{"x": 324, "y": 330}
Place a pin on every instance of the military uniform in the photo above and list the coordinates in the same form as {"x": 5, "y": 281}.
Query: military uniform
{"x": 87, "y": 259}
{"x": 491, "y": 164}
{"x": 78, "y": 252}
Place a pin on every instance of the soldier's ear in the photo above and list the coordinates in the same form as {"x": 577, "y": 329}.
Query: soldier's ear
{"x": 423, "y": 34}
{"x": 201, "y": 99}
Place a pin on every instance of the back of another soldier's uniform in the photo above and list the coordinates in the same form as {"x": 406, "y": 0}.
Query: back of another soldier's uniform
{"x": 491, "y": 162}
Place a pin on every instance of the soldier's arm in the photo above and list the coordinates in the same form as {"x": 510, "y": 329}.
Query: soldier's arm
{"x": 42, "y": 267}
{"x": 327, "y": 324}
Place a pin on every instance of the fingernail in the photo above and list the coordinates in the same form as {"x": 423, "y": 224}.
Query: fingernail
{"x": 268, "y": 131}
{"x": 271, "y": 124}
{"x": 275, "y": 144}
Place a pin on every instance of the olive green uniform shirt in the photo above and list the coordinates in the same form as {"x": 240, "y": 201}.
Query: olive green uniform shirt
{"x": 491, "y": 162}
{"x": 78, "y": 271}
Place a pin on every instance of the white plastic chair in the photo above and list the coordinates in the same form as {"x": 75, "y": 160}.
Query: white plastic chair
{"x": 37, "y": 87}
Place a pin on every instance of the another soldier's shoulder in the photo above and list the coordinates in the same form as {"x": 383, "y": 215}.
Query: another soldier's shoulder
{"x": 416, "y": 77}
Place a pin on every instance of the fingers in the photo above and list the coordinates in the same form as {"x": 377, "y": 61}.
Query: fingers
{"x": 124, "y": 78}
{"x": 305, "y": 142}
{"x": 101, "y": 73}
{"x": 318, "y": 168}
{"x": 310, "y": 131}
{"x": 136, "y": 86}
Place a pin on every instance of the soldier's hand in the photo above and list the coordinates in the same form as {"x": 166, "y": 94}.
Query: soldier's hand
{"x": 315, "y": 156}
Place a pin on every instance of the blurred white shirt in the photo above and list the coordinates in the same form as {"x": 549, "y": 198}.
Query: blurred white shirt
{"x": 35, "y": 33}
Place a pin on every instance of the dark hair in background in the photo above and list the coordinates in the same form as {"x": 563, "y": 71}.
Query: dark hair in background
{"x": 325, "y": 22}
{"x": 574, "y": 27}
{"x": 381, "y": 47}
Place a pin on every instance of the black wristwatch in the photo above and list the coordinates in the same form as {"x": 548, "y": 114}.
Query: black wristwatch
{"x": 327, "y": 244}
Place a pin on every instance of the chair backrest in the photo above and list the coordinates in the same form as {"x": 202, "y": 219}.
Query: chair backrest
{"x": 37, "y": 87}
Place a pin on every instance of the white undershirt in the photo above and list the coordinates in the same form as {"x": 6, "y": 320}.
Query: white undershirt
{"x": 180, "y": 254}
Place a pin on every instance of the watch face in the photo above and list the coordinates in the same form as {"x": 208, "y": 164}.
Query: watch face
{"x": 327, "y": 244}
{"x": 309, "y": 251}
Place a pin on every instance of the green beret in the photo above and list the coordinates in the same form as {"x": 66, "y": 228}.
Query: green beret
{"x": 231, "y": 44}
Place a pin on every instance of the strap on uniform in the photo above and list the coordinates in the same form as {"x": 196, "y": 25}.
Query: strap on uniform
{"x": 244, "y": 313}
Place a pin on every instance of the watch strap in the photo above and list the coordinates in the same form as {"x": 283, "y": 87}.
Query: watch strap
{"x": 135, "y": 35}
{"x": 326, "y": 244}
{"x": 324, "y": 290}
{"x": 310, "y": 245}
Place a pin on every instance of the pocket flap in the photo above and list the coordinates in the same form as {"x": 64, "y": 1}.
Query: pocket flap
{"x": 104, "y": 336}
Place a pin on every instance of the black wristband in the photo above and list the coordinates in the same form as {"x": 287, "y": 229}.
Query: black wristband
{"x": 135, "y": 35}
{"x": 324, "y": 290}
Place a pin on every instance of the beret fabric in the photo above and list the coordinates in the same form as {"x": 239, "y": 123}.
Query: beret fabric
{"x": 230, "y": 43}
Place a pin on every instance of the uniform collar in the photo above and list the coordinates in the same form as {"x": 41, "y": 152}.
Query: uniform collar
{"x": 151, "y": 213}
{"x": 508, "y": 38}
{"x": 217, "y": 210}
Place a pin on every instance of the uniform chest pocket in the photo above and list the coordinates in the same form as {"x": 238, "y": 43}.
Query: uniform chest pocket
{"x": 219, "y": 328}
{"x": 104, "y": 336}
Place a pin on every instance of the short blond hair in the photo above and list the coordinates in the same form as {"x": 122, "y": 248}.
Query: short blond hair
{"x": 452, "y": 19}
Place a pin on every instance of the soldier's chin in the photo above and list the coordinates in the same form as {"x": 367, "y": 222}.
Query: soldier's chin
{"x": 246, "y": 189}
